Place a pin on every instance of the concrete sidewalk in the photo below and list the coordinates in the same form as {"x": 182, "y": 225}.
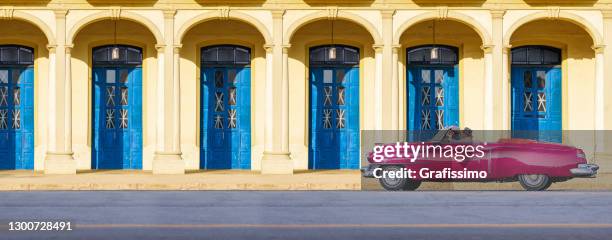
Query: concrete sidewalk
{"x": 200, "y": 180}
{"x": 20, "y": 180}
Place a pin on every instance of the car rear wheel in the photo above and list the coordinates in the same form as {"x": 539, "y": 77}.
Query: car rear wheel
{"x": 398, "y": 184}
{"x": 534, "y": 182}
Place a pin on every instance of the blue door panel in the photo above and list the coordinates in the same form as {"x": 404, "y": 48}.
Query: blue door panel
{"x": 16, "y": 117}
{"x": 536, "y": 102}
{"x": 117, "y": 120}
{"x": 225, "y": 138}
{"x": 334, "y": 118}
{"x": 433, "y": 99}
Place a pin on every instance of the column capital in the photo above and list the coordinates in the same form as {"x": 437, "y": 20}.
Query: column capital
{"x": 506, "y": 48}
{"x": 60, "y": 13}
{"x": 487, "y": 48}
{"x": 387, "y": 13}
{"x": 160, "y": 47}
{"x": 169, "y": 13}
{"x": 51, "y": 48}
{"x": 68, "y": 48}
{"x": 598, "y": 48}
{"x": 269, "y": 48}
{"x": 286, "y": 48}
{"x": 378, "y": 48}
{"x": 396, "y": 48}
{"x": 177, "y": 48}
{"x": 498, "y": 13}
{"x": 606, "y": 13}
{"x": 278, "y": 13}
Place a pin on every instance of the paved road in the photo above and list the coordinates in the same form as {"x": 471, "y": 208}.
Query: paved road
{"x": 313, "y": 215}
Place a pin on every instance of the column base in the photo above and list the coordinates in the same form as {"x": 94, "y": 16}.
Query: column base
{"x": 60, "y": 163}
{"x": 276, "y": 163}
{"x": 168, "y": 163}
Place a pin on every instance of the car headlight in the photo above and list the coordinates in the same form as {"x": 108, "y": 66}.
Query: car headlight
{"x": 580, "y": 154}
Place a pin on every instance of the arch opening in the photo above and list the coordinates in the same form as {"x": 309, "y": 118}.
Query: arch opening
{"x": 441, "y": 58}
{"x": 548, "y": 63}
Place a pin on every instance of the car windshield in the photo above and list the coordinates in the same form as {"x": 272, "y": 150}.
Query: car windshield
{"x": 452, "y": 135}
{"x": 439, "y": 136}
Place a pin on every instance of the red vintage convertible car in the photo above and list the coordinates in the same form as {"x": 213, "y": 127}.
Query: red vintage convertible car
{"x": 536, "y": 165}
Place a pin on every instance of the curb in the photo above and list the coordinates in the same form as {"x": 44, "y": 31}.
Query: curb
{"x": 181, "y": 187}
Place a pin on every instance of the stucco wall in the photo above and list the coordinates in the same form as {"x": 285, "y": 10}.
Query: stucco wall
{"x": 575, "y": 29}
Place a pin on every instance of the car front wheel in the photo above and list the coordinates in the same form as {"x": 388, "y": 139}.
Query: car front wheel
{"x": 534, "y": 182}
{"x": 398, "y": 184}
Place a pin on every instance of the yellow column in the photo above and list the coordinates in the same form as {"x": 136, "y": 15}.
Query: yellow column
{"x": 488, "y": 87}
{"x": 497, "y": 107}
{"x": 599, "y": 97}
{"x": 390, "y": 94}
{"x": 59, "y": 158}
{"x": 505, "y": 81}
{"x": 167, "y": 158}
{"x": 395, "y": 86}
{"x": 285, "y": 101}
{"x": 378, "y": 87}
{"x": 604, "y": 154}
{"x": 276, "y": 157}
{"x": 607, "y": 71}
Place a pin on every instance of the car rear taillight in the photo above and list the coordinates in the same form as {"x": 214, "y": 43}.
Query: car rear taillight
{"x": 580, "y": 154}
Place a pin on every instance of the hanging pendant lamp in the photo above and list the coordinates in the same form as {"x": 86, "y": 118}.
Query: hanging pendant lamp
{"x": 433, "y": 55}
{"x": 332, "y": 50}
{"x": 115, "y": 50}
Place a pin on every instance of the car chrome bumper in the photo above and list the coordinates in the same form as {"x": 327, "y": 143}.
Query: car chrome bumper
{"x": 368, "y": 171}
{"x": 585, "y": 170}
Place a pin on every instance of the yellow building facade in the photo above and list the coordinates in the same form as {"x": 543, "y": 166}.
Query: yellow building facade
{"x": 279, "y": 34}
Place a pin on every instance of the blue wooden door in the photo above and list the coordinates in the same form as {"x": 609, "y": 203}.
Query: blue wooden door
{"x": 536, "y": 102}
{"x": 433, "y": 93}
{"x": 117, "y": 117}
{"x": 225, "y": 135}
{"x": 16, "y": 117}
{"x": 334, "y": 117}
